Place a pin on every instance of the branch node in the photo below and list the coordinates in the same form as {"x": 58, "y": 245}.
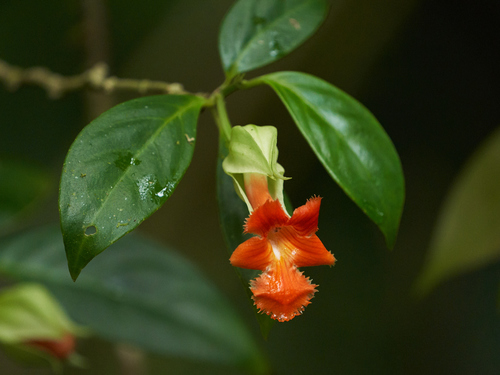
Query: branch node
{"x": 175, "y": 88}
{"x": 97, "y": 75}
{"x": 109, "y": 84}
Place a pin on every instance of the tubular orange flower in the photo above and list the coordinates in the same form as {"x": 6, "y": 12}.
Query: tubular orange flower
{"x": 282, "y": 244}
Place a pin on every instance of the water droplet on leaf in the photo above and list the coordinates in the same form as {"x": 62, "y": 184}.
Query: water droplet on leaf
{"x": 125, "y": 160}
{"x": 275, "y": 48}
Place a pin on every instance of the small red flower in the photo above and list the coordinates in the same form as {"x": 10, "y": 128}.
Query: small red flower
{"x": 282, "y": 244}
{"x": 59, "y": 348}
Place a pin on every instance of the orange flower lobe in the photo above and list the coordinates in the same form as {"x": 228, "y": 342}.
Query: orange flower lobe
{"x": 266, "y": 217}
{"x": 305, "y": 218}
{"x": 255, "y": 254}
{"x": 282, "y": 292}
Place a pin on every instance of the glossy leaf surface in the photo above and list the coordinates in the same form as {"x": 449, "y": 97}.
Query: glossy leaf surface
{"x": 351, "y": 144}
{"x": 467, "y": 234}
{"x": 257, "y": 32}
{"x": 140, "y": 293}
{"x": 22, "y": 185}
{"x": 233, "y": 213}
{"x": 121, "y": 168}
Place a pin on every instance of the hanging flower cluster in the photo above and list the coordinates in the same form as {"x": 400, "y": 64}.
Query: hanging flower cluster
{"x": 282, "y": 243}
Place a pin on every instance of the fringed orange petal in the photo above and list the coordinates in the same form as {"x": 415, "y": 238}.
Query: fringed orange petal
{"x": 266, "y": 217}
{"x": 300, "y": 250}
{"x": 255, "y": 254}
{"x": 282, "y": 292}
{"x": 305, "y": 218}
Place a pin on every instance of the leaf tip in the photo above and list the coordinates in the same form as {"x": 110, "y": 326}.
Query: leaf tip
{"x": 390, "y": 235}
{"x": 74, "y": 272}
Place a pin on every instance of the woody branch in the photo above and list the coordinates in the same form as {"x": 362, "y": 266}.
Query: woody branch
{"x": 96, "y": 78}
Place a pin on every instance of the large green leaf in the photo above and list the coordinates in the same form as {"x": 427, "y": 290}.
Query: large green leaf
{"x": 22, "y": 185}
{"x": 349, "y": 141}
{"x": 257, "y": 32}
{"x": 121, "y": 168}
{"x": 233, "y": 213}
{"x": 467, "y": 235}
{"x": 138, "y": 292}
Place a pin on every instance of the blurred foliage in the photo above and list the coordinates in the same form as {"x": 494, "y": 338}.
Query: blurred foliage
{"x": 137, "y": 293}
{"x": 22, "y": 187}
{"x": 467, "y": 235}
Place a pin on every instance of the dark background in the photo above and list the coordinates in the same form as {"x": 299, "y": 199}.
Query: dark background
{"x": 428, "y": 70}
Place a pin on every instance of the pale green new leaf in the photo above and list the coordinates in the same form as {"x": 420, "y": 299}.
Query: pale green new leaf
{"x": 28, "y": 312}
{"x": 253, "y": 149}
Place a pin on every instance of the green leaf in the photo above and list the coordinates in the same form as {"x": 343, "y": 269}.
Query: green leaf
{"x": 232, "y": 213}
{"x": 22, "y": 186}
{"x": 349, "y": 142}
{"x": 140, "y": 293}
{"x": 467, "y": 234}
{"x": 121, "y": 168}
{"x": 255, "y": 33}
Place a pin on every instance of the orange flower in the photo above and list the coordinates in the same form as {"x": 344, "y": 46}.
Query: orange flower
{"x": 282, "y": 244}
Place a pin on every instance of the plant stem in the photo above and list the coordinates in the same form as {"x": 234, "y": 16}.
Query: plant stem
{"x": 244, "y": 84}
{"x": 217, "y": 103}
{"x": 221, "y": 117}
